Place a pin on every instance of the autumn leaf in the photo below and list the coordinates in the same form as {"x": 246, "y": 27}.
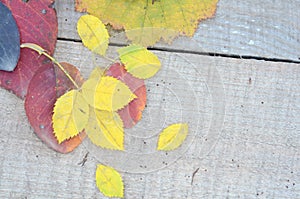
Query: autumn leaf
{"x": 105, "y": 129}
{"x": 49, "y": 83}
{"x": 32, "y": 14}
{"x": 107, "y": 93}
{"x": 29, "y": 15}
{"x": 97, "y": 73}
{"x": 9, "y": 40}
{"x": 146, "y": 22}
{"x": 131, "y": 113}
{"x": 70, "y": 115}
{"x": 63, "y": 83}
{"x": 172, "y": 137}
{"x": 109, "y": 181}
{"x": 93, "y": 34}
{"x": 139, "y": 62}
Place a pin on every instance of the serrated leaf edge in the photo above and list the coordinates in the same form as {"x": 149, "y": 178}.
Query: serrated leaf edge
{"x": 121, "y": 180}
{"x": 173, "y": 138}
{"x": 120, "y": 148}
{"x": 54, "y": 111}
{"x": 131, "y": 48}
{"x": 106, "y": 35}
{"x": 132, "y": 96}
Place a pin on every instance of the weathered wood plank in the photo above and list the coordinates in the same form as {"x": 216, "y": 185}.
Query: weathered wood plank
{"x": 254, "y": 154}
{"x": 268, "y": 29}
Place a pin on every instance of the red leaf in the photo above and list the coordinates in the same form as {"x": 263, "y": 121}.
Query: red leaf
{"x": 37, "y": 23}
{"x": 46, "y": 86}
{"x": 131, "y": 113}
{"x": 63, "y": 84}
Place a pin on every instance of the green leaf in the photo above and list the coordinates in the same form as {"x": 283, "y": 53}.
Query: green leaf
{"x": 139, "y": 62}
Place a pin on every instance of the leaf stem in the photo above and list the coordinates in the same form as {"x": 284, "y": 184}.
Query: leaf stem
{"x": 42, "y": 51}
{"x": 109, "y": 59}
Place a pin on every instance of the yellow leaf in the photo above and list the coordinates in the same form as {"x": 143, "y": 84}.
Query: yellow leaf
{"x": 109, "y": 181}
{"x": 96, "y": 73}
{"x": 145, "y": 22}
{"x": 107, "y": 93}
{"x": 172, "y": 137}
{"x": 93, "y": 34}
{"x": 70, "y": 115}
{"x": 105, "y": 129}
{"x": 139, "y": 62}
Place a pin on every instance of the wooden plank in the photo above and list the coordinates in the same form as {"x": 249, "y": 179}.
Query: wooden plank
{"x": 264, "y": 29}
{"x": 254, "y": 153}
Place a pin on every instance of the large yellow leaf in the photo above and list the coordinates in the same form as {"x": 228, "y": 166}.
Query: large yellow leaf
{"x": 93, "y": 34}
{"x": 70, "y": 115}
{"x": 146, "y": 22}
{"x": 109, "y": 181}
{"x": 172, "y": 137}
{"x": 105, "y": 129}
{"x": 107, "y": 93}
{"x": 138, "y": 61}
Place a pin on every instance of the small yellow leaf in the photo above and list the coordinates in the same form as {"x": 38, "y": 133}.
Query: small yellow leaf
{"x": 105, "y": 129}
{"x": 109, "y": 181}
{"x": 70, "y": 116}
{"x": 172, "y": 137}
{"x": 107, "y": 93}
{"x": 139, "y": 62}
{"x": 97, "y": 73}
{"x": 93, "y": 33}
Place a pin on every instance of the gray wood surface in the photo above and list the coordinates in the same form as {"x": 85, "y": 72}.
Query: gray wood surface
{"x": 269, "y": 28}
{"x": 254, "y": 152}
{"x": 243, "y": 114}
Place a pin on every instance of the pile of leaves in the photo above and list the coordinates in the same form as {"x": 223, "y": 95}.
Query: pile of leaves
{"x": 61, "y": 106}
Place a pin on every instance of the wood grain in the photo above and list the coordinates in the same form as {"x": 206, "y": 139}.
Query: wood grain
{"x": 254, "y": 154}
{"x": 254, "y": 28}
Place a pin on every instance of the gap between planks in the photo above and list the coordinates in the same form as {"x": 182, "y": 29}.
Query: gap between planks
{"x": 210, "y": 54}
